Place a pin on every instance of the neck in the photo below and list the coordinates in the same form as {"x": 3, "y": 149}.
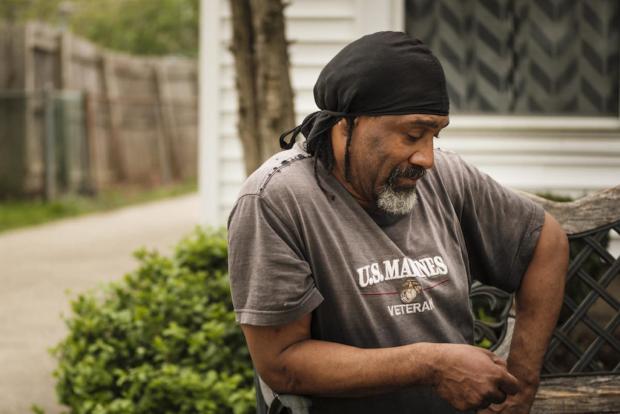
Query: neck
{"x": 338, "y": 173}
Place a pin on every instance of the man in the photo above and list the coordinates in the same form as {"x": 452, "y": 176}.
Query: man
{"x": 351, "y": 255}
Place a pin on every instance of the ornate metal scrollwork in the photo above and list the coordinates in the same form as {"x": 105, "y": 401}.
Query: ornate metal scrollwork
{"x": 491, "y": 307}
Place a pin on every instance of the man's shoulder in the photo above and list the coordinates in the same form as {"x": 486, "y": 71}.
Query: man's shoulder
{"x": 286, "y": 171}
{"x": 449, "y": 164}
{"x": 450, "y": 175}
{"x": 283, "y": 181}
{"x": 446, "y": 158}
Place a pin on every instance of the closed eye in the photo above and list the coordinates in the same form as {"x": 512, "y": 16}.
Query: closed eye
{"x": 419, "y": 137}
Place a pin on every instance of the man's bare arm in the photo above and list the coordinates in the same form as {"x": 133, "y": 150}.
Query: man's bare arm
{"x": 538, "y": 300}
{"x": 293, "y": 363}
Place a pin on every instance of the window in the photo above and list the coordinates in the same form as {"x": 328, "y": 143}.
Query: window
{"x": 524, "y": 57}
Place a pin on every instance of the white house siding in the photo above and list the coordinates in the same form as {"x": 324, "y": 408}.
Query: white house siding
{"x": 559, "y": 155}
{"x": 317, "y": 30}
{"x": 564, "y": 156}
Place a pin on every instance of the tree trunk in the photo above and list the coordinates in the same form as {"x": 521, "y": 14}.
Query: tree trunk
{"x": 265, "y": 95}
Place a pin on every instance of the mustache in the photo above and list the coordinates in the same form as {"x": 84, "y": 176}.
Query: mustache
{"x": 414, "y": 171}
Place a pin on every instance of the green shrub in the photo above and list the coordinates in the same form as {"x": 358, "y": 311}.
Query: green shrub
{"x": 162, "y": 340}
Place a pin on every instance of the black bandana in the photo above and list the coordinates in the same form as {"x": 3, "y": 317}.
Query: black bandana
{"x": 384, "y": 73}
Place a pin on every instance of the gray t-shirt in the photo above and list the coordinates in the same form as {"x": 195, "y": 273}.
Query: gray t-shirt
{"x": 373, "y": 281}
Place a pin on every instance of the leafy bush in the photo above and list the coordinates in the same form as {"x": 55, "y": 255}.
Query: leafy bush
{"x": 162, "y": 340}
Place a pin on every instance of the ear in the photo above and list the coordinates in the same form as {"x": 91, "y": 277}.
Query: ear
{"x": 339, "y": 138}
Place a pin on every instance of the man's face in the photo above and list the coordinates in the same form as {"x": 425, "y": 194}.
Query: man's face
{"x": 388, "y": 155}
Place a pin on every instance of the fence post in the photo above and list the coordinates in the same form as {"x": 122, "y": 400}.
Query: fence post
{"x": 49, "y": 145}
{"x": 33, "y": 181}
{"x": 110, "y": 91}
{"x": 64, "y": 45}
{"x": 169, "y": 137}
{"x": 92, "y": 165}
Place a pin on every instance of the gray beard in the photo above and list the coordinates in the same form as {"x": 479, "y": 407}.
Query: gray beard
{"x": 395, "y": 202}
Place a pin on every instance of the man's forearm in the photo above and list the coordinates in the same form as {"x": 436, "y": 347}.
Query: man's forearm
{"x": 293, "y": 363}
{"x": 539, "y": 300}
{"x": 327, "y": 368}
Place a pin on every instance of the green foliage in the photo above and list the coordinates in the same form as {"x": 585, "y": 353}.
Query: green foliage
{"x": 555, "y": 197}
{"x": 37, "y": 409}
{"x": 163, "y": 340}
{"x": 17, "y": 11}
{"x": 147, "y": 27}
{"x": 144, "y": 27}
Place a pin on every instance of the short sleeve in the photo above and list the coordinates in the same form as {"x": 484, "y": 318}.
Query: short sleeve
{"x": 500, "y": 227}
{"x": 271, "y": 283}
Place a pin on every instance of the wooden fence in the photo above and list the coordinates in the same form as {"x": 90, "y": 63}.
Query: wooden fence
{"x": 76, "y": 116}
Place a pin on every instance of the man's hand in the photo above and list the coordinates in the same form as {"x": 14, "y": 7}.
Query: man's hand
{"x": 470, "y": 378}
{"x": 520, "y": 403}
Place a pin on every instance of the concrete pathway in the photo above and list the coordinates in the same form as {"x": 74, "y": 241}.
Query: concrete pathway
{"x": 39, "y": 265}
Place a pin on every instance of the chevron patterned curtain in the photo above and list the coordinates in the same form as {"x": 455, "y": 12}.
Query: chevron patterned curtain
{"x": 524, "y": 57}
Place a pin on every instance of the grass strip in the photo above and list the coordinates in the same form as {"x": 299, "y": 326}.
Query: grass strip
{"x": 23, "y": 213}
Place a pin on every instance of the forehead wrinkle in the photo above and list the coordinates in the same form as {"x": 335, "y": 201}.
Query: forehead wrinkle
{"x": 423, "y": 122}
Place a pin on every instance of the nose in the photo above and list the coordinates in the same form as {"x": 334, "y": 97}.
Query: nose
{"x": 423, "y": 154}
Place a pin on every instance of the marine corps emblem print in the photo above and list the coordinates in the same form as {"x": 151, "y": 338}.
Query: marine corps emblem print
{"x": 409, "y": 290}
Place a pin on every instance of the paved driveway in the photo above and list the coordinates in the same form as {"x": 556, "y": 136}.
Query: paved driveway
{"x": 40, "y": 264}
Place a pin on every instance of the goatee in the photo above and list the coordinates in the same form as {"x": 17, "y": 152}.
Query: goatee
{"x": 397, "y": 200}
